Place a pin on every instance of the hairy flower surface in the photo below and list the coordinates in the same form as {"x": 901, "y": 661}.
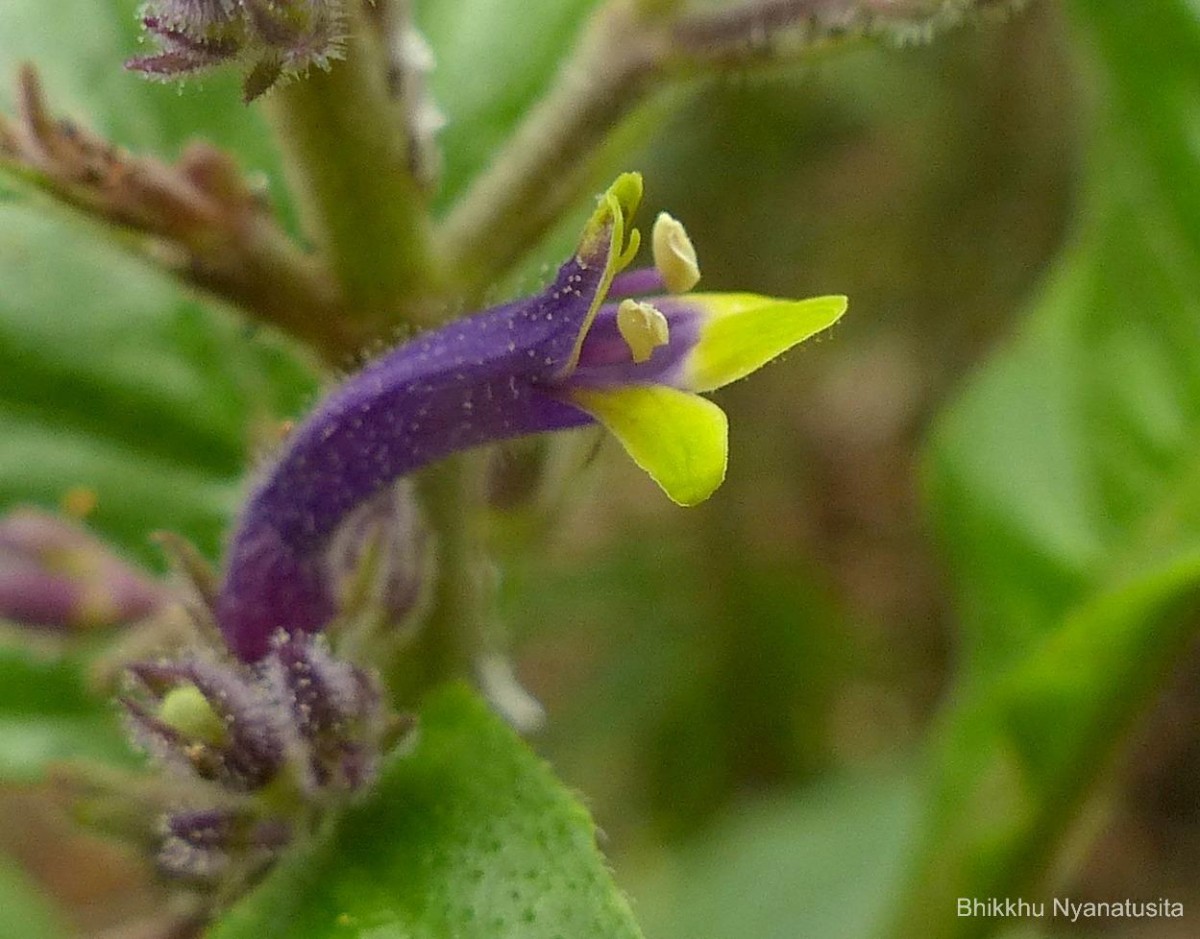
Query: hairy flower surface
{"x": 556, "y": 360}
{"x": 268, "y": 742}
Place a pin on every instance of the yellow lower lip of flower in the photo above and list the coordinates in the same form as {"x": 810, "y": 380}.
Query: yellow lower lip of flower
{"x": 680, "y": 439}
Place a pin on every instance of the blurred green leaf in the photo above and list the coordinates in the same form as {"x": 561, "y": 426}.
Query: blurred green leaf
{"x": 468, "y": 836}
{"x": 23, "y": 912}
{"x": 822, "y": 864}
{"x": 117, "y": 383}
{"x": 1018, "y": 752}
{"x": 494, "y": 59}
{"x": 47, "y": 713}
{"x": 1066, "y": 483}
{"x": 1071, "y": 463}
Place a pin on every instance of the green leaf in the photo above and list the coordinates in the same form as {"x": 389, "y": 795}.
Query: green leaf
{"x": 468, "y": 836}
{"x": 23, "y": 912}
{"x": 116, "y": 382}
{"x": 1071, "y": 463}
{"x": 47, "y": 713}
{"x": 1018, "y": 753}
{"x": 493, "y": 63}
{"x": 1066, "y": 484}
{"x": 822, "y": 864}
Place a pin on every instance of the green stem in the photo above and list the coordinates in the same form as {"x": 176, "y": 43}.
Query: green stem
{"x": 452, "y": 637}
{"x": 544, "y": 165}
{"x": 347, "y": 158}
{"x": 631, "y": 49}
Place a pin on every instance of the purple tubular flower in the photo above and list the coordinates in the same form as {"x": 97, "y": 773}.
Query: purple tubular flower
{"x": 556, "y": 360}
{"x": 479, "y": 379}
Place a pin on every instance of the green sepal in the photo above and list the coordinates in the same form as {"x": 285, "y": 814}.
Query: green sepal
{"x": 745, "y": 331}
{"x": 680, "y": 439}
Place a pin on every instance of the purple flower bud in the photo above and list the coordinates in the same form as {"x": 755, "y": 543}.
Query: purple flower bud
{"x": 210, "y": 717}
{"x": 202, "y": 844}
{"x": 55, "y": 574}
{"x": 272, "y": 37}
{"x": 336, "y": 708}
{"x": 299, "y": 730}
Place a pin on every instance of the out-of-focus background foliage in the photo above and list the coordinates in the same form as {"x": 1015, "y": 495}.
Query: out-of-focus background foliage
{"x": 956, "y": 544}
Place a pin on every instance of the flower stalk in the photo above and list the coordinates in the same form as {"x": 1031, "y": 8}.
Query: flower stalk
{"x": 453, "y": 635}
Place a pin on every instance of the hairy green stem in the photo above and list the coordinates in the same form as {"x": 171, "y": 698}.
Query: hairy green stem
{"x": 347, "y": 158}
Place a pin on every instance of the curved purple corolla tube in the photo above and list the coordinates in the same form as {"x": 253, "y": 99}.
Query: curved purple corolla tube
{"x": 484, "y": 378}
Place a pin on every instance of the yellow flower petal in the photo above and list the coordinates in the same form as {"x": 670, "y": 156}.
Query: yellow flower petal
{"x": 680, "y": 439}
{"x": 744, "y": 331}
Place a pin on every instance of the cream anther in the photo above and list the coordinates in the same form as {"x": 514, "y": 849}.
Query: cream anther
{"x": 674, "y": 255}
{"x": 642, "y": 327}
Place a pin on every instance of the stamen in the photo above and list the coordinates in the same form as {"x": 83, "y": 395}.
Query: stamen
{"x": 643, "y": 328}
{"x": 674, "y": 254}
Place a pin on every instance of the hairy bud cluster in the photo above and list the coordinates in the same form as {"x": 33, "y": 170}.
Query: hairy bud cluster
{"x": 297, "y": 730}
{"x": 206, "y": 844}
{"x": 271, "y": 38}
{"x": 255, "y": 751}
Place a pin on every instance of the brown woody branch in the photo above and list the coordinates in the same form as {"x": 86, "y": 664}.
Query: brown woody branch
{"x": 198, "y": 219}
